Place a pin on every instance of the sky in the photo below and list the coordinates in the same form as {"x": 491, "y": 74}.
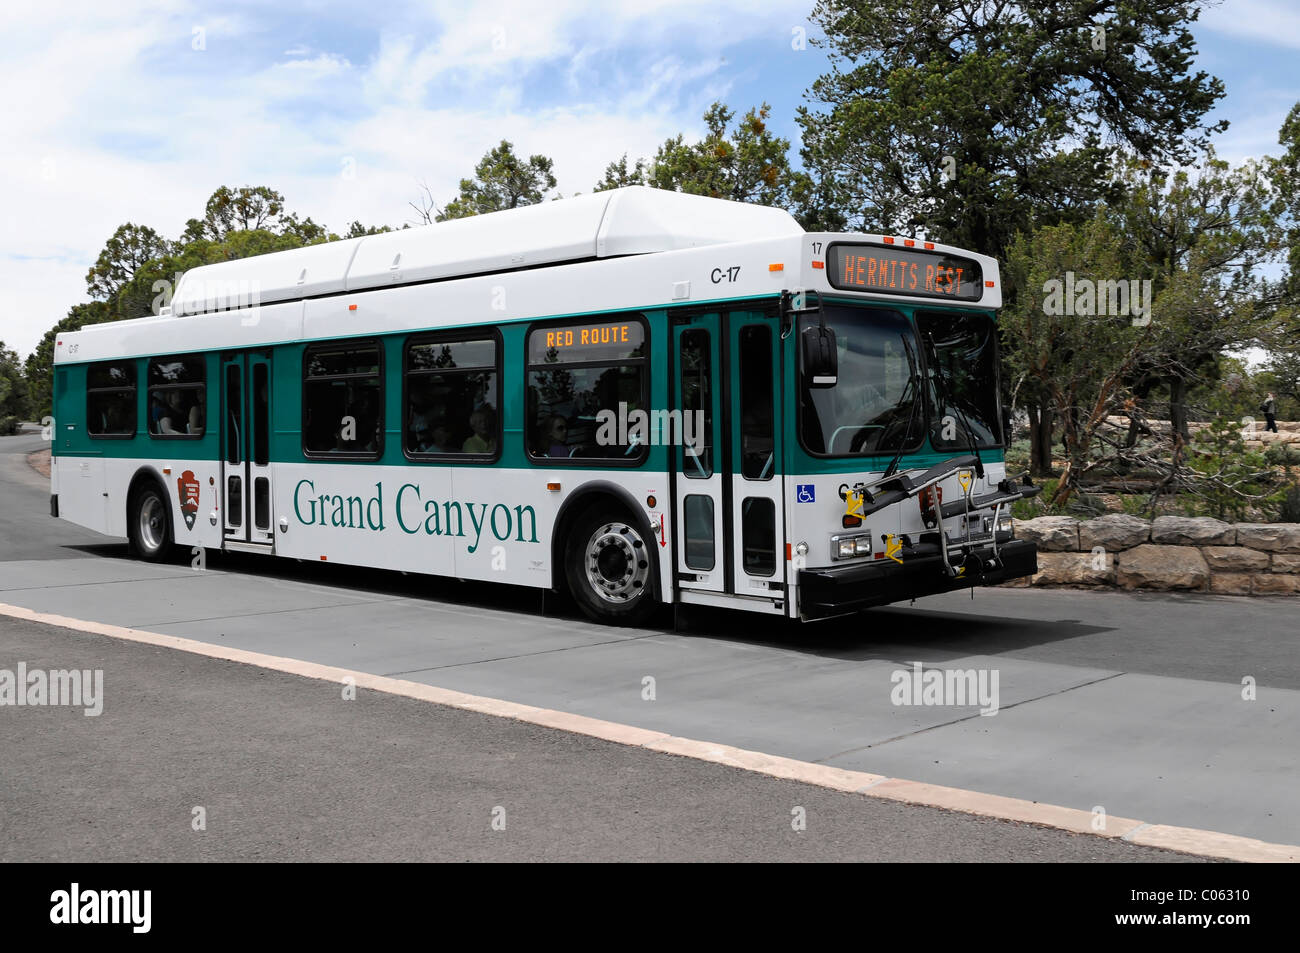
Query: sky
{"x": 136, "y": 112}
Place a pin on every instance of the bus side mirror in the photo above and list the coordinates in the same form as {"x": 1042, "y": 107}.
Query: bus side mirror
{"x": 821, "y": 358}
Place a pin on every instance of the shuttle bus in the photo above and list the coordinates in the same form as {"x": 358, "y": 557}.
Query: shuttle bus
{"x": 642, "y": 397}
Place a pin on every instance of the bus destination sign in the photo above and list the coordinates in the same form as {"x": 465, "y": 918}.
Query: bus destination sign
{"x": 904, "y": 271}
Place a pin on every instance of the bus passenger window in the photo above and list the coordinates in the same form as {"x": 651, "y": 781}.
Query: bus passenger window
{"x": 343, "y": 400}
{"x": 588, "y": 393}
{"x": 177, "y": 397}
{"x": 451, "y": 398}
{"x": 110, "y": 399}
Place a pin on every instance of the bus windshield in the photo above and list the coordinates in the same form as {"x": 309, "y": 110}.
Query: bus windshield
{"x": 878, "y": 406}
{"x": 961, "y": 356}
{"x": 875, "y": 406}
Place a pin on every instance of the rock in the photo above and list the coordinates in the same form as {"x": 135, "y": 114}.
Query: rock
{"x": 1162, "y": 567}
{"x": 1113, "y": 532}
{"x": 1276, "y": 584}
{"x": 1074, "y": 569}
{"x": 1192, "y": 531}
{"x": 1273, "y": 537}
{"x": 1233, "y": 558}
{"x": 1230, "y": 583}
{"x": 1052, "y": 533}
{"x": 1020, "y": 582}
{"x": 1285, "y": 563}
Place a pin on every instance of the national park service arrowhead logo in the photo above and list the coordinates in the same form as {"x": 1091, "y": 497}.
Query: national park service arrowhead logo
{"x": 188, "y": 489}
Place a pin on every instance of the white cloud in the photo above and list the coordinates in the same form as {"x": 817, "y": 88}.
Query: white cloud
{"x": 1271, "y": 22}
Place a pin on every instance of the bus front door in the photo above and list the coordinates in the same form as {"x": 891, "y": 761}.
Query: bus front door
{"x": 245, "y": 450}
{"x": 729, "y": 495}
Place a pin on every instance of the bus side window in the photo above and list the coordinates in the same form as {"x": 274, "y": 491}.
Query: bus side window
{"x": 110, "y": 399}
{"x": 177, "y": 392}
{"x": 343, "y": 400}
{"x": 452, "y": 398}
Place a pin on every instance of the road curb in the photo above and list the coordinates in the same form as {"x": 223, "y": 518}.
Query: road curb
{"x": 1184, "y": 840}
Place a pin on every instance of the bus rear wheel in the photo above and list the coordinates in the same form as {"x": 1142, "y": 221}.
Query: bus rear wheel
{"x": 149, "y": 524}
{"x": 610, "y": 568}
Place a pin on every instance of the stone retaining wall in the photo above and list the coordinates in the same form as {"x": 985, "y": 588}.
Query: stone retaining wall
{"x": 1169, "y": 552}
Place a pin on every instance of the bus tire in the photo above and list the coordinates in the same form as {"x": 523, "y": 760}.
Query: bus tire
{"x": 610, "y": 567}
{"x": 149, "y": 523}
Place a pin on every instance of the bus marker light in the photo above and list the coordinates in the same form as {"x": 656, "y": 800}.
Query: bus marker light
{"x": 553, "y": 487}
{"x": 910, "y": 243}
{"x": 167, "y": 471}
{"x": 352, "y": 307}
{"x": 929, "y": 244}
{"x": 849, "y": 521}
{"x": 778, "y": 267}
{"x": 888, "y": 241}
{"x": 988, "y": 284}
{"x": 787, "y": 552}
{"x": 651, "y": 502}
{"x": 322, "y": 559}
{"x": 819, "y": 265}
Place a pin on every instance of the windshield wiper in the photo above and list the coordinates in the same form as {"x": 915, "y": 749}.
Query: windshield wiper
{"x": 949, "y": 398}
{"x": 912, "y": 385}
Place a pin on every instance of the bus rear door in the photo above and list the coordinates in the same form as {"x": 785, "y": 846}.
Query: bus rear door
{"x": 245, "y": 451}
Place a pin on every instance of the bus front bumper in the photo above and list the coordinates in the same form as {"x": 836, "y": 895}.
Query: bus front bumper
{"x": 842, "y": 589}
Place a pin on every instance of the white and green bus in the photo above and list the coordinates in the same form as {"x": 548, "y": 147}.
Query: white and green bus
{"x": 642, "y": 397}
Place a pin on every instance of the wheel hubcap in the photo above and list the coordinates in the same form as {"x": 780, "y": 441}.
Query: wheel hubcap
{"x": 152, "y": 522}
{"x": 617, "y": 563}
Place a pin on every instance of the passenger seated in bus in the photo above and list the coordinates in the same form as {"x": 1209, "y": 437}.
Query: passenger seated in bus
{"x": 174, "y": 417}
{"x": 555, "y": 436}
{"x": 437, "y": 440}
{"x": 484, "y": 423}
{"x": 195, "y": 425}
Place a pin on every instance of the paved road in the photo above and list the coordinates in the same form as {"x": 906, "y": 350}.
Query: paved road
{"x": 1129, "y": 702}
{"x": 285, "y": 769}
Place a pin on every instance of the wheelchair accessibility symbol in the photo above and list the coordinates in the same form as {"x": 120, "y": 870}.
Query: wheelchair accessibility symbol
{"x": 806, "y": 493}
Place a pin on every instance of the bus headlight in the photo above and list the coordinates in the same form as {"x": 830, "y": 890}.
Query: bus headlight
{"x": 846, "y": 547}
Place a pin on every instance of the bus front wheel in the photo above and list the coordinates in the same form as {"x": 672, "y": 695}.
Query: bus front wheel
{"x": 610, "y": 568}
{"x": 149, "y": 524}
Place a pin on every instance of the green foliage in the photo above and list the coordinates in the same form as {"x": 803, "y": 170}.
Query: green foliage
{"x": 126, "y": 252}
{"x": 247, "y": 208}
{"x": 501, "y": 181}
{"x": 747, "y": 164}
{"x": 39, "y": 369}
{"x": 618, "y": 175}
{"x": 1018, "y": 96}
{"x": 13, "y": 386}
{"x": 1289, "y": 505}
{"x": 1231, "y": 480}
{"x": 1073, "y": 364}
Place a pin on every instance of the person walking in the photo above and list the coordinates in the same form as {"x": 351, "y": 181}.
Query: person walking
{"x": 1270, "y": 412}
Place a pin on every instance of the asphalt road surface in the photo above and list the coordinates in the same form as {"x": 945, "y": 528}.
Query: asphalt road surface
{"x": 1128, "y": 702}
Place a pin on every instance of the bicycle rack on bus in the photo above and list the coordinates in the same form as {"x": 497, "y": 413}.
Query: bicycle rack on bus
{"x": 886, "y": 491}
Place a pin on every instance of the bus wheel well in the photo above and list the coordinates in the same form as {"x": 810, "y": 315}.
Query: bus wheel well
{"x": 583, "y": 501}
{"x": 142, "y": 477}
